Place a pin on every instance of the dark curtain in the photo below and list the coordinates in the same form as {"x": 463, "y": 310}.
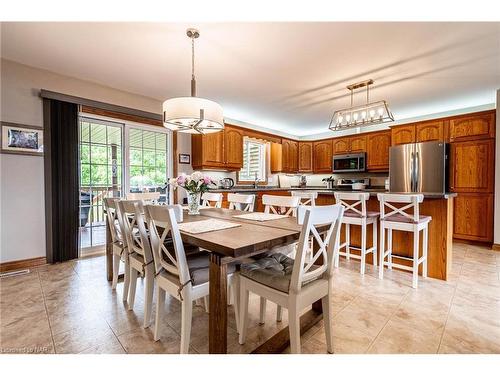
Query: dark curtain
{"x": 61, "y": 179}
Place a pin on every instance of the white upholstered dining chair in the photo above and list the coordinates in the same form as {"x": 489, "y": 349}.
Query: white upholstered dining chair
{"x": 243, "y": 202}
{"x": 186, "y": 278}
{"x": 140, "y": 255}
{"x": 211, "y": 200}
{"x": 295, "y": 284}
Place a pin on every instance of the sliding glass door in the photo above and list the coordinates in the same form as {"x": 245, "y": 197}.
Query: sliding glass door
{"x": 117, "y": 158}
{"x": 101, "y": 150}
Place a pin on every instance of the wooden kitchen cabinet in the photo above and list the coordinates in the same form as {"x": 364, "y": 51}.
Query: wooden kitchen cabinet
{"x": 377, "y": 150}
{"x": 322, "y": 156}
{"x": 476, "y": 126}
{"x": 276, "y": 157}
{"x": 473, "y": 217}
{"x": 430, "y": 131}
{"x": 305, "y": 157}
{"x": 220, "y": 151}
{"x": 351, "y": 144}
{"x": 233, "y": 148}
{"x": 472, "y": 166}
{"x": 403, "y": 134}
{"x": 340, "y": 146}
{"x": 290, "y": 152}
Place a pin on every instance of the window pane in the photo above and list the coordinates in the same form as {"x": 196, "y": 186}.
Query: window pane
{"x": 135, "y": 177}
{"x": 85, "y": 132}
{"x": 149, "y": 177}
{"x": 85, "y": 175}
{"x": 254, "y": 154}
{"x": 135, "y": 138}
{"x": 114, "y": 135}
{"x": 98, "y": 133}
{"x": 99, "y": 175}
{"x": 161, "y": 159}
{"x": 148, "y": 139}
{"x": 161, "y": 176}
{"x": 84, "y": 153}
{"x": 135, "y": 157}
{"x": 161, "y": 141}
{"x": 149, "y": 158}
{"x": 99, "y": 154}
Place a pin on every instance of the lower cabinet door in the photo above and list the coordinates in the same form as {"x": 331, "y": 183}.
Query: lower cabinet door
{"x": 473, "y": 217}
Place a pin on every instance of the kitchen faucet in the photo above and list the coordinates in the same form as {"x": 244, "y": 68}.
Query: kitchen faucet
{"x": 256, "y": 181}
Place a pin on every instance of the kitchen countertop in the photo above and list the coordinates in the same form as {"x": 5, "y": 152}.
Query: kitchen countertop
{"x": 322, "y": 190}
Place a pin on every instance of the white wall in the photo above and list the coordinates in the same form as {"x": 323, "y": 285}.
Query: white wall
{"x": 22, "y": 212}
{"x": 496, "y": 226}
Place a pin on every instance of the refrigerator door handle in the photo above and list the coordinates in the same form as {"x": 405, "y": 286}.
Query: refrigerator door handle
{"x": 412, "y": 171}
{"x": 417, "y": 172}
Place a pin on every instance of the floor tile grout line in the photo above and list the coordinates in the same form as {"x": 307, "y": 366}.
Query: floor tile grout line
{"x": 449, "y": 310}
{"x": 46, "y": 312}
{"x": 387, "y": 322}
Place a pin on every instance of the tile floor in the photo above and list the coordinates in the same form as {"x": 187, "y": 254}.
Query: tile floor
{"x": 70, "y": 308}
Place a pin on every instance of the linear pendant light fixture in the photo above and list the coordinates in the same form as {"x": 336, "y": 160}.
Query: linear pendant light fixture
{"x": 361, "y": 115}
{"x": 192, "y": 114}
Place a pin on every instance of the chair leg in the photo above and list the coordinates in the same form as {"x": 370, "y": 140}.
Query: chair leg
{"x": 244, "y": 296}
{"x": 116, "y": 270}
{"x": 262, "y": 312}
{"x": 187, "y": 316}
{"x": 347, "y": 241}
{"x": 206, "y": 302}
{"x": 416, "y": 238}
{"x": 375, "y": 243}
{"x": 328, "y": 321}
{"x": 294, "y": 327}
{"x": 126, "y": 279}
{"x": 279, "y": 314}
{"x": 425, "y": 244}
{"x": 160, "y": 302}
{"x": 148, "y": 294}
{"x": 389, "y": 248}
{"x": 363, "y": 248}
{"x": 381, "y": 252}
{"x": 133, "y": 287}
{"x": 235, "y": 289}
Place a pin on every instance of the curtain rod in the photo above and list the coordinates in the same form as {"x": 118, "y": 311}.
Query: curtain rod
{"x": 47, "y": 94}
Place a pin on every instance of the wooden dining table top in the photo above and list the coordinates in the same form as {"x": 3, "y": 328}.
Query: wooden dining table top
{"x": 247, "y": 239}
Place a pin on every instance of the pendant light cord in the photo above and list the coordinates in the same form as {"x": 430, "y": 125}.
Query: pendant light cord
{"x": 193, "y": 79}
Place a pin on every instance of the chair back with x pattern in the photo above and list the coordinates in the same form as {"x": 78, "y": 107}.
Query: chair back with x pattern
{"x": 409, "y": 211}
{"x": 307, "y": 198}
{"x": 310, "y": 218}
{"x": 353, "y": 202}
{"x": 281, "y": 205}
{"x": 162, "y": 223}
{"x": 243, "y": 202}
{"x": 110, "y": 205}
{"x": 148, "y": 197}
{"x": 211, "y": 200}
{"x": 132, "y": 216}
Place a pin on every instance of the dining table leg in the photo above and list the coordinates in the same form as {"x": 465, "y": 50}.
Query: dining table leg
{"x": 217, "y": 326}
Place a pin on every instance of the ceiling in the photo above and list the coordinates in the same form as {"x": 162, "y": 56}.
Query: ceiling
{"x": 288, "y": 77}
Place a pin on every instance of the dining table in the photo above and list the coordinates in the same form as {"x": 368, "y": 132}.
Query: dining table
{"x": 249, "y": 238}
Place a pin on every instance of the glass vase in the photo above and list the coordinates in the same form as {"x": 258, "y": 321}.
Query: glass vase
{"x": 193, "y": 203}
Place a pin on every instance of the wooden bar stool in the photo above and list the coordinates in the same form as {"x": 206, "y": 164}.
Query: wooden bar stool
{"x": 407, "y": 219}
{"x": 356, "y": 214}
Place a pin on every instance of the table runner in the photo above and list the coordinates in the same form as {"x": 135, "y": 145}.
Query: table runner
{"x": 203, "y": 226}
{"x": 260, "y": 216}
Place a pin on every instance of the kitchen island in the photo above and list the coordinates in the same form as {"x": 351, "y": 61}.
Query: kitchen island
{"x": 438, "y": 206}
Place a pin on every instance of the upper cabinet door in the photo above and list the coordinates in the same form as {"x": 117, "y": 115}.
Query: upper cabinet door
{"x": 472, "y": 165}
{"x": 305, "y": 157}
{"x": 472, "y": 127}
{"x": 233, "y": 147}
{"x": 357, "y": 143}
{"x": 294, "y": 156}
{"x": 341, "y": 146}
{"x": 213, "y": 149}
{"x": 377, "y": 150}
{"x": 322, "y": 156}
{"x": 403, "y": 134}
{"x": 285, "y": 151}
{"x": 430, "y": 131}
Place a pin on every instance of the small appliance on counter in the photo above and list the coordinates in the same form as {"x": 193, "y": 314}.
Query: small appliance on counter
{"x": 226, "y": 183}
{"x": 284, "y": 181}
{"x": 330, "y": 182}
{"x": 302, "y": 181}
{"x": 353, "y": 183}
{"x": 349, "y": 163}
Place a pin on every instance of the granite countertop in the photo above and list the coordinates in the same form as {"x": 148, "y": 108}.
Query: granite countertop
{"x": 323, "y": 190}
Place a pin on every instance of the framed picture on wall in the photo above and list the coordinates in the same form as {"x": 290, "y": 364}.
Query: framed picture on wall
{"x": 184, "y": 159}
{"x": 21, "y": 139}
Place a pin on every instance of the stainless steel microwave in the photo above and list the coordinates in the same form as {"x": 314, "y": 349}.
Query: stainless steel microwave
{"x": 349, "y": 163}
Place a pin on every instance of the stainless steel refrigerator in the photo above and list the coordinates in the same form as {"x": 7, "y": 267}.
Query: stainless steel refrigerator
{"x": 419, "y": 168}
